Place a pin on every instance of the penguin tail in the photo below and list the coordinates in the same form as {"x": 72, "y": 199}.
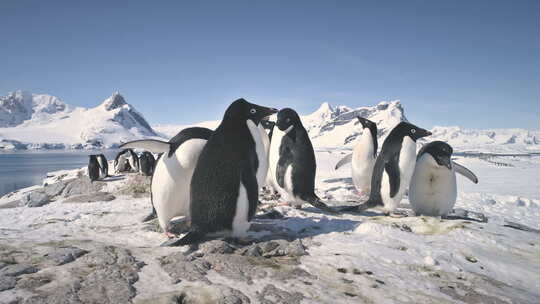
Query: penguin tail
{"x": 316, "y": 202}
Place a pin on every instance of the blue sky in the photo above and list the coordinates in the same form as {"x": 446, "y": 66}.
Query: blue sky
{"x": 469, "y": 63}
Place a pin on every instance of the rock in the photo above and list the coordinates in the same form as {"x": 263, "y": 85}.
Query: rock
{"x": 276, "y": 248}
{"x": 216, "y": 246}
{"x": 182, "y": 268}
{"x": 35, "y": 198}
{"x": 12, "y": 204}
{"x": 215, "y": 293}
{"x": 105, "y": 275}
{"x": 55, "y": 189}
{"x": 270, "y": 215}
{"x": 33, "y": 281}
{"x": 136, "y": 186}
{"x": 15, "y": 270}
{"x": 7, "y": 282}
{"x": 90, "y": 198}
{"x": 81, "y": 185}
{"x": 273, "y": 295}
{"x": 65, "y": 255}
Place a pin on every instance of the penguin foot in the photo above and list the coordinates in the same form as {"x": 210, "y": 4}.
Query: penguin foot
{"x": 170, "y": 235}
{"x": 397, "y": 214}
{"x": 149, "y": 217}
{"x": 284, "y": 204}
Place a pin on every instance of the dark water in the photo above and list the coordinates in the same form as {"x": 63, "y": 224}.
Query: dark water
{"x": 23, "y": 169}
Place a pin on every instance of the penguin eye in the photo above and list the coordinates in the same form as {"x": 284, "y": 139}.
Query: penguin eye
{"x": 252, "y": 111}
{"x": 413, "y": 131}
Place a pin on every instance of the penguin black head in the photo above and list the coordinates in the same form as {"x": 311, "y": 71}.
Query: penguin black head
{"x": 440, "y": 151}
{"x": 287, "y": 119}
{"x": 243, "y": 110}
{"x": 92, "y": 157}
{"x": 408, "y": 129}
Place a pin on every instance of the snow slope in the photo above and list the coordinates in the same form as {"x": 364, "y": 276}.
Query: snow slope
{"x": 52, "y": 124}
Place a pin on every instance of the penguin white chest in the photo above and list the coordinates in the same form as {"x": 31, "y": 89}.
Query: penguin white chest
{"x": 433, "y": 189}
{"x": 171, "y": 181}
{"x": 261, "y": 150}
{"x": 362, "y": 162}
{"x": 407, "y": 161}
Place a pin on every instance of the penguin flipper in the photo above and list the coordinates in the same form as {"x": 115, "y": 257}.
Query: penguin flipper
{"x": 345, "y": 160}
{"x": 152, "y": 145}
{"x": 284, "y": 161}
{"x": 465, "y": 172}
{"x": 392, "y": 170}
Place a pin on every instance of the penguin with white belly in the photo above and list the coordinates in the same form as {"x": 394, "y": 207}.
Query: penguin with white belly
{"x": 224, "y": 186}
{"x": 433, "y": 189}
{"x": 171, "y": 178}
{"x": 292, "y": 161}
{"x": 393, "y": 168}
{"x": 363, "y": 157}
{"x": 103, "y": 166}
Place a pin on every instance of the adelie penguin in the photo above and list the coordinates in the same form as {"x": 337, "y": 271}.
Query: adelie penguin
{"x": 269, "y": 125}
{"x": 433, "y": 189}
{"x": 147, "y": 163}
{"x": 292, "y": 161}
{"x": 363, "y": 157}
{"x": 171, "y": 179}
{"x": 224, "y": 187}
{"x": 121, "y": 162}
{"x": 393, "y": 168}
{"x": 98, "y": 168}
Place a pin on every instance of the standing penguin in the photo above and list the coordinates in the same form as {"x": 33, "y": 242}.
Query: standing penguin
{"x": 224, "y": 187}
{"x": 433, "y": 189}
{"x": 147, "y": 163}
{"x": 363, "y": 157}
{"x": 103, "y": 166}
{"x": 133, "y": 160}
{"x": 292, "y": 161}
{"x": 93, "y": 167}
{"x": 171, "y": 178}
{"x": 268, "y": 125}
{"x": 393, "y": 168}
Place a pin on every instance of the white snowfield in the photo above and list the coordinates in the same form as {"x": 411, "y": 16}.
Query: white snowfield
{"x": 353, "y": 258}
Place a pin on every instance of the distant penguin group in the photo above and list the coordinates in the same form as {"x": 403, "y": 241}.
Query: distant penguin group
{"x": 211, "y": 179}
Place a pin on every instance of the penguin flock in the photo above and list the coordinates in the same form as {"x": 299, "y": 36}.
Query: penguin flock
{"x": 125, "y": 161}
{"x": 211, "y": 178}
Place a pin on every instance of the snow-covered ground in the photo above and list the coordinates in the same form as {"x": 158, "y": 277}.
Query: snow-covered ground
{"x": 351, "y": 258}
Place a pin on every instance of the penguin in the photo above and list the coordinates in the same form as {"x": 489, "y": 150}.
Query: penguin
{"x": 147, "y": 163}
{"x": 393, "y": 168}
{"x": 224, "y": 186}
{"x": 121, "y": 163}
{"x": 363, "y": 157}
{"x": 269, "y": 125}
{"x": 171, "y": 178}
{"x": 133, "y": 160}
{"x": 103, "y": 166}
{"x": 93, "y": 168}
{"x": 262, "y": 169}
{"x": 292, "y": 161}
{"x": 433, "y": 189}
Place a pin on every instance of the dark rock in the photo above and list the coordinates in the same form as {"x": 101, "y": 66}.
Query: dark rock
{"x": 7, "y": 282}
{"x": 35, "y": 198}
{"x": 216, "y": 246}
{"x": 270, "y": 215}
{"x": 215, "y": 293}
{"x": 180, "y": 267}
{"x": 33, "y": 281}
{"x": 273, "y": 295}
{"x": 15, "y": 270}
{"x": 65, "y": 255}
{"x": 90, "y": 198}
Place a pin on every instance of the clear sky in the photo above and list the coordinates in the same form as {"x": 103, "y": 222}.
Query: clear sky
{"x": 469, "y": 63}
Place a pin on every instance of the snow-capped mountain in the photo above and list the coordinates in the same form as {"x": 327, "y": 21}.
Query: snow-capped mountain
{"x": 20, "y": 106}
{"x": 32, "y": 121}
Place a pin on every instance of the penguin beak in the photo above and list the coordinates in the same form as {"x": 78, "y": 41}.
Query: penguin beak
{"x": 444, "y": 161}
{"x": 268, "y": 111}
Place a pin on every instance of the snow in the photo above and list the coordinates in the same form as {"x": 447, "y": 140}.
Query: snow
{"x": 414, "y": 264}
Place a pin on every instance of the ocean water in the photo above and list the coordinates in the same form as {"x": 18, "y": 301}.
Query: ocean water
{"x": 24, "y": 169}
